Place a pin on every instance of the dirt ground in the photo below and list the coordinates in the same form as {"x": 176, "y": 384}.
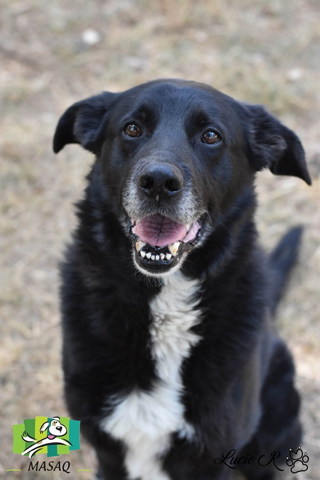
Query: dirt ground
{"x": 55, "y": 53}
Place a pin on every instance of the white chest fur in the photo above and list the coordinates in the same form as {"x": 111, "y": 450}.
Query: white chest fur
{"x": 144, "y": 421}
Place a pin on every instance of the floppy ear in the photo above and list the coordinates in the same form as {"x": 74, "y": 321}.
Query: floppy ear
{"x": 81, "y": 123}
{"x": 44, "y": 426}
{"x": 274, "y": 146}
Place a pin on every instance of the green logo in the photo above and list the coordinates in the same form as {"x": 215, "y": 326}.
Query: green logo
{"x": 42, "y": 435}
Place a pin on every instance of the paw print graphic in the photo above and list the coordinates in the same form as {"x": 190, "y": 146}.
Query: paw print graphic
{"x": 297, "y": 461}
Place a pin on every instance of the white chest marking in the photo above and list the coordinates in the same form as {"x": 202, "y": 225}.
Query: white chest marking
{"x": 145, "y": 421}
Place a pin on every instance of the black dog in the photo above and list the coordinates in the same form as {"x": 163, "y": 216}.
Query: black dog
{"x": 170, "y": 358}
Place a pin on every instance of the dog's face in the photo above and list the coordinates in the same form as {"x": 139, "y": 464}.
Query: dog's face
{"x": 175, "y": 156}
{"x": 54, "y": 427}
{"x": 57, "y": 429}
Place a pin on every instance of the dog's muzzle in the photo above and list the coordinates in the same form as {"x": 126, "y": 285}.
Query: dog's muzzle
{"x": 163, "y": 228}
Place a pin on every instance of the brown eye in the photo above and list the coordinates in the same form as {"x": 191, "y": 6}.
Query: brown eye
{"x": 211, "y": 137}
{"x": 132, "y": 130}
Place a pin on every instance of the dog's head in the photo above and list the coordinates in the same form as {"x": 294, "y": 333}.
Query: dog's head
{"x": 174, "y": 156}
{"x": 54, "y": 427}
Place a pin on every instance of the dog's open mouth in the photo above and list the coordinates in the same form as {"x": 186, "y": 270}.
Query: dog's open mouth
{"x": 160, "y": 242}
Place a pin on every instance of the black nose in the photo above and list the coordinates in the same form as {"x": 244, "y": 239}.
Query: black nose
{"x": 59, "y": 428}
{"x": 161, "y": 180}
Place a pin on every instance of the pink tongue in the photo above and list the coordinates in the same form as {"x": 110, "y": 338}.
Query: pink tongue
{"x": 159, "y": 231}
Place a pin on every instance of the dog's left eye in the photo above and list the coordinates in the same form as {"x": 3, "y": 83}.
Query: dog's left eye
{"x": 210, "y": 137}
{"x": 132, "y": 130}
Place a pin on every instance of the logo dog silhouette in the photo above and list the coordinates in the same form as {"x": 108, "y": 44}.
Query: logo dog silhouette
{"x": 54, "y": 429}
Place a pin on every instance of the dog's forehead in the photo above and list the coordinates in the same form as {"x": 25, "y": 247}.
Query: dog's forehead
{"x": 179, "y": 97}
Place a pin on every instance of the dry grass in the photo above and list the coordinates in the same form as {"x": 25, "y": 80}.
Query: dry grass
{"x": 259, "y": 51}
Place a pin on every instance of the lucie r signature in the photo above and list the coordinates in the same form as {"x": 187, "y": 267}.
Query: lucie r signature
{"x": 232, "y": 460}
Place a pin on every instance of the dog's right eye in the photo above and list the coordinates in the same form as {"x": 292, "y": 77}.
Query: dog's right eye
{"x": 132, "y": 130}
{"x": 211, "y": 137}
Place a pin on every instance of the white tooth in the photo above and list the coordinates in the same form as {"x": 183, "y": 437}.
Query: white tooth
{"x": 168, "y": 256}
{"x": 162, "y": 255}
{"x": 174, "y": 248}
{"x": 157, "y": 257}
{"x": 143, "y": 253}
{"x": 148, "y": 255}
{"x": 153, "y": 257}
{"x": 139, "y": 245}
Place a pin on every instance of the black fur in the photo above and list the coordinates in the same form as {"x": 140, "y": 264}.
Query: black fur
{"x": 238, "y": 381}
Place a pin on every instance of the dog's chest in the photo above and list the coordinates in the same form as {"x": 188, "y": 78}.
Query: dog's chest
{"x": 143, "y": 420}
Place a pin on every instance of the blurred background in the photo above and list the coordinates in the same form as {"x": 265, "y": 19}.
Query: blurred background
{"x": 55, "y": 53}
